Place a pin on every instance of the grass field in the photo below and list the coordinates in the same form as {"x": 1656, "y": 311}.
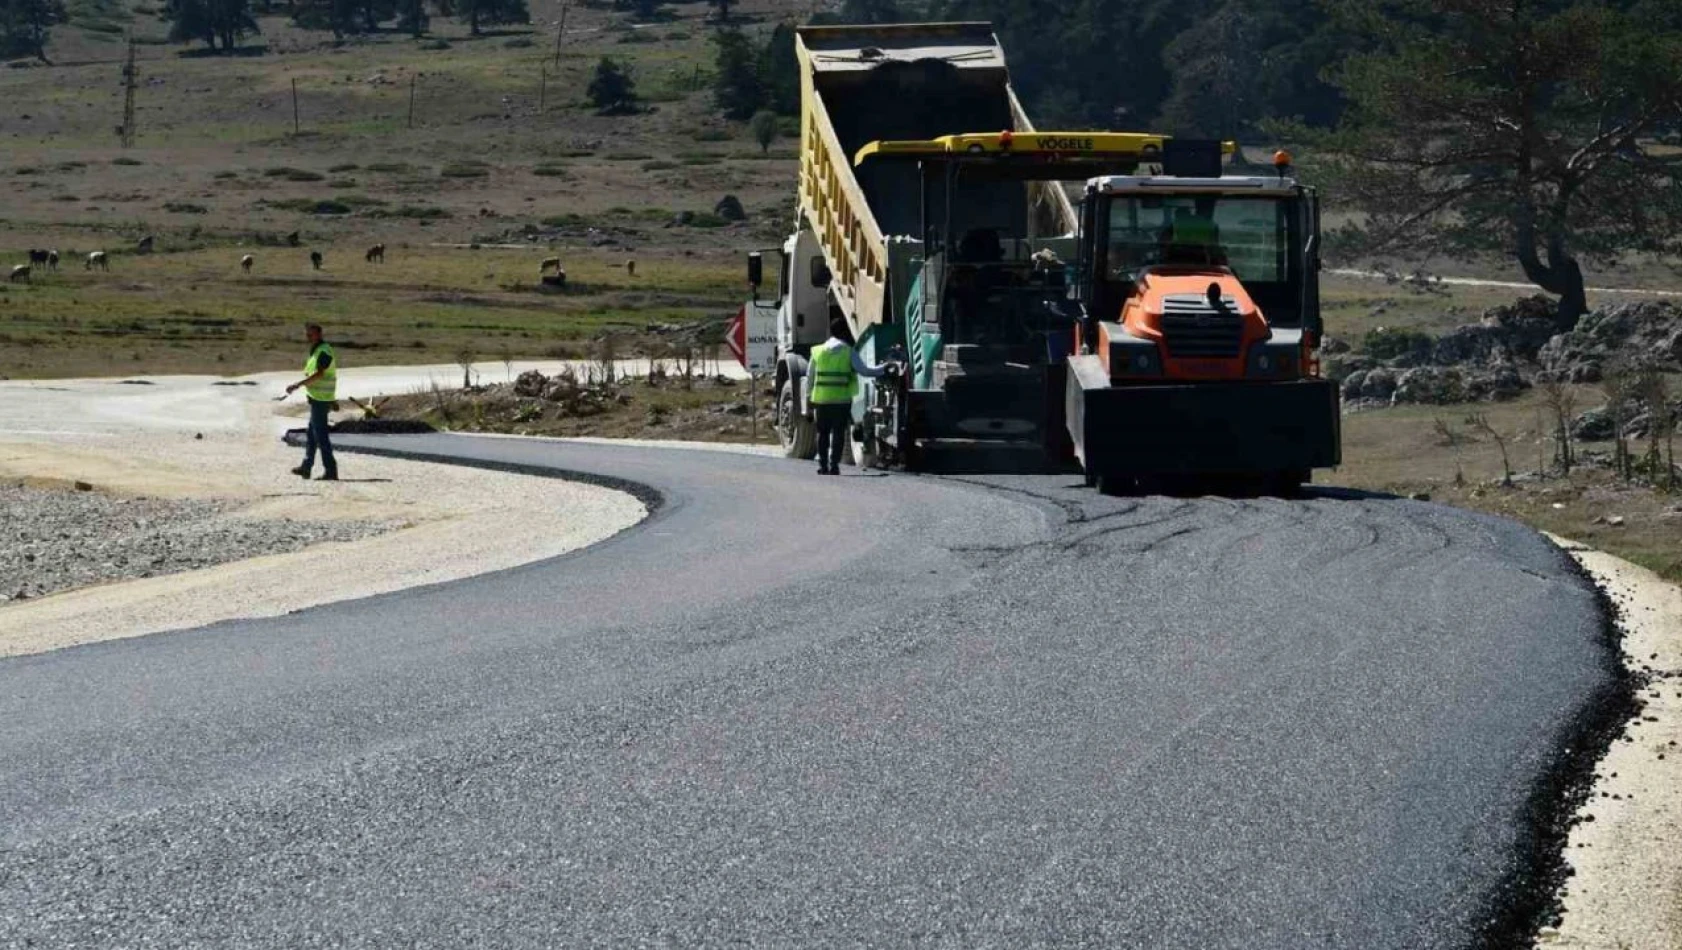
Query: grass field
{"x": 196, "y": 312}
{"x": 502, "y": 149}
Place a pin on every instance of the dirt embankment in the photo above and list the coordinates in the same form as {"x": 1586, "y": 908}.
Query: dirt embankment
{"x": 667, "y": 405}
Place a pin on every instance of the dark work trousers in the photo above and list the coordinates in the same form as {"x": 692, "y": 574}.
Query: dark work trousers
{"x": 317, "y": 437}
{"x": 833, "y": 421}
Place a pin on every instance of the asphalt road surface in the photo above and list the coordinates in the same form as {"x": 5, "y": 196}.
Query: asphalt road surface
{"x": 859, "y": 711}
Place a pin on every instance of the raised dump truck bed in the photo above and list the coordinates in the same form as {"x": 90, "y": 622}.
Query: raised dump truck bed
{"x": 861, "y": 84}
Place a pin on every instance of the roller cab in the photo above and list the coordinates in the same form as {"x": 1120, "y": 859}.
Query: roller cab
{"x": 1196, "y": 351}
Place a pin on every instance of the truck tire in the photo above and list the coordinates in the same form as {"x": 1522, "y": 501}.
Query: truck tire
{"x": 797, "y": 433}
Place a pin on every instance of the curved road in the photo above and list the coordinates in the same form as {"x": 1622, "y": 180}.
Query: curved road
{"x": 860, "y": 711}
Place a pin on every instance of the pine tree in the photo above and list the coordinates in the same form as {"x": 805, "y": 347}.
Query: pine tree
{"x": 26, "y": 25}
{"x": 1522, "y": 130}
{"x": 214, "y": 22}
{"x": 412, "y": 18}
{"x": 873, "y": 11}
{"x": 779, "y": 72}
{"x": 1216, "y": 66}
{"x": 612, "y": 90}
{"x": 340, "y": 16}
{"x": 736, "y": 89}
{"x": 480, "y": 13}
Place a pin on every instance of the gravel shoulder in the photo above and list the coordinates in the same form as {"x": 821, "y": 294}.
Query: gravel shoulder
{"x": 55, "y": 539}
{"x": 202, "y": 452}
{"x": 1626, "y": 891}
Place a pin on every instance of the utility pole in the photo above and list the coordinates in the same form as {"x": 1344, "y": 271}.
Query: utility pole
{"x": 560, "y": 31}
{"x": 131, "y": 77}
{"x": 294, "y": 107}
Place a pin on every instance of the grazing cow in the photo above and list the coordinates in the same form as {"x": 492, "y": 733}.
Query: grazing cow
{"x": 144, "y": 246}
{"x": 97, "y": 259}
{"x": 294, "y": 239}
{"x": 38, "y": 256}
{"x": 548, "y": 262}
{"x": 246, "y": 262}
{"x": 52, "y": 260}
{"x": 631, "y": 267}
{"x": 315, "y": 260}
{"x": 20, "y": 274}
{"x": 375, "y": 253}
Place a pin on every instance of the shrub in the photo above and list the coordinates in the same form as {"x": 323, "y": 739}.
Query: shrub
{"x": 712, "y": 135}
{"x": 564, "y": 221}
{"x": 341, "y": 183}
{"x": 518, "y": 42}
{"x": 551, "y": 171}
{"x": 359, "y": 201}
{"x": 627, "y": 156}
{"x": 310, "y": 205}
{"x": 465, "y": 170}
{"x": 764, "y": 126}
{"x": 572, "y": 152}
{"x": 224, "y": 176}
{"x": 432, "y": 45}
{"x": 125, "y": 160}
{"x": 350, "y": 167}
{"x": 293, "y": 174}
{"x": 390, "y": 167}
{"x": 658, "y": 166}
{"x": 185, "y": 207}
{"x": 416, "y": 212}
{"x": 26, "y": 170}
{"x": 1383, "y": 343}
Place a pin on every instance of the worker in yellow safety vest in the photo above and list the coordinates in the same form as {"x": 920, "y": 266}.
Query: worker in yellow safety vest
{"x": 320, "y": 385}
{"x": 1194, "y": 238}
{"x": 835, "y": 370}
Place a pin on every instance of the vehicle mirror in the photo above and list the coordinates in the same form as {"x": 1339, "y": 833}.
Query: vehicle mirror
{"x": 756, "y": 269}
{"x": 820, "y": 273}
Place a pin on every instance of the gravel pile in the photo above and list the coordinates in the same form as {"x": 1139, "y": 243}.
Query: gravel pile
{"x": 53, "y": 540}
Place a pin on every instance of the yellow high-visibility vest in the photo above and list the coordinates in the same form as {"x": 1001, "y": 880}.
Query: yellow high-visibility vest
{"x": 326, "y": 388}
{"x": 833, "y": 379}
{"x": 1194, "y": 231}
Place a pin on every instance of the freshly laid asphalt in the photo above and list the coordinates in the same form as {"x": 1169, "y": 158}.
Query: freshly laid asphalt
{"x": 875, "y": 710}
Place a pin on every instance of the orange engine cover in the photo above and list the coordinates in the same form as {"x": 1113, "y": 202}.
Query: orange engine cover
{"x": 1170, "y": 307}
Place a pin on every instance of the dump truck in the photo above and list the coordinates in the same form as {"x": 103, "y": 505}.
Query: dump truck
{"x": 1023, "y": 326}
{"x": 857, "y": 248}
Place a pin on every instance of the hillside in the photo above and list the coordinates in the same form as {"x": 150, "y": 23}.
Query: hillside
{"x": 503, "y": 152}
